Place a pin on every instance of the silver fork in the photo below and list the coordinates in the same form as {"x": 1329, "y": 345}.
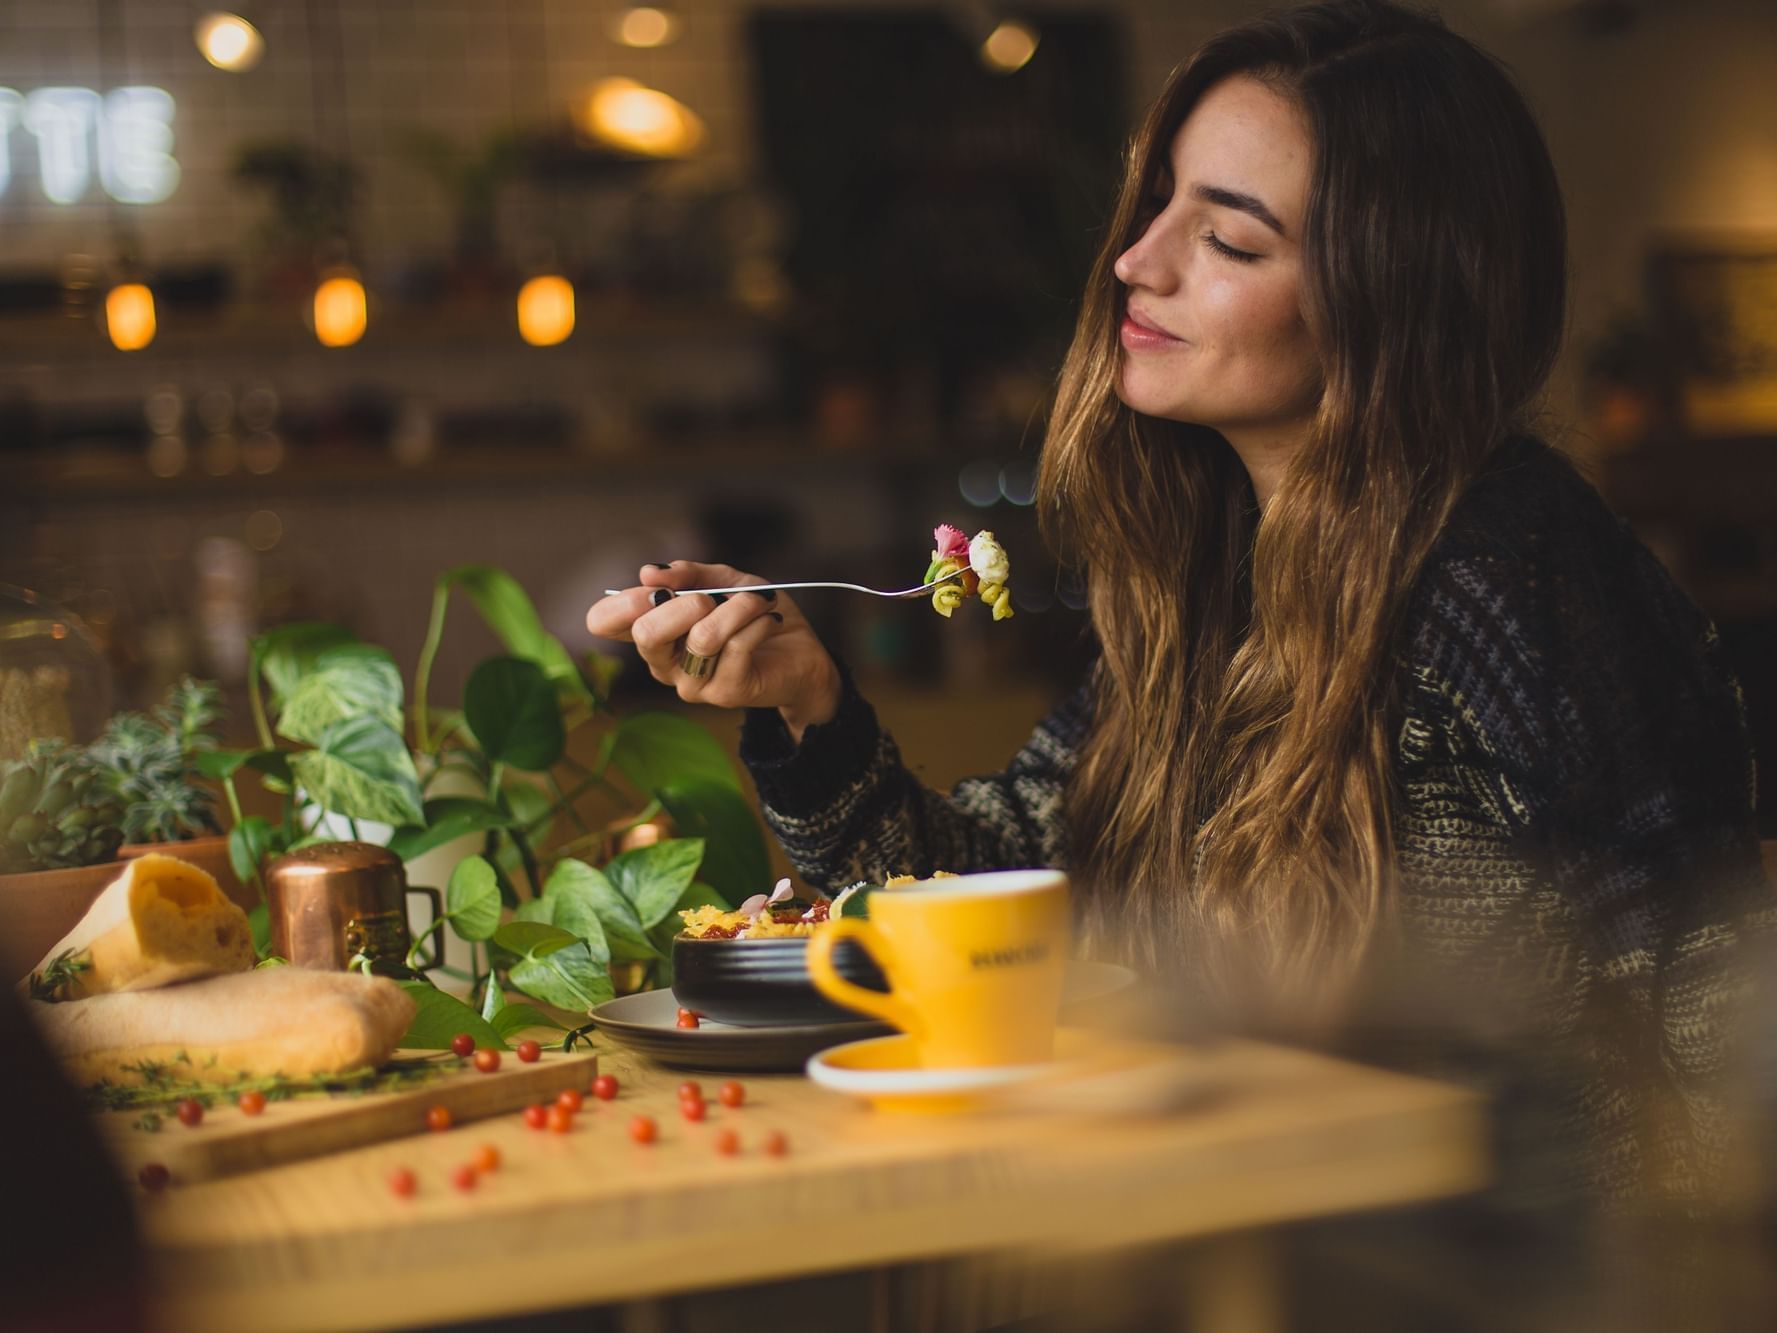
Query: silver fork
{"x": 786, "y": 587}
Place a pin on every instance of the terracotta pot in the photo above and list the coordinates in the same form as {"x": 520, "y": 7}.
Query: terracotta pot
{"x": 209, "y": 854}
{"x": 38, "y": 907}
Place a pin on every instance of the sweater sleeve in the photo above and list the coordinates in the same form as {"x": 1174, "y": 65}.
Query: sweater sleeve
{"x": 845, "y": 807}
{"x": 1606, "y": 725}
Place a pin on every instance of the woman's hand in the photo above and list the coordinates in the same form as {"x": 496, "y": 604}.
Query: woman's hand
{"x": 760, "y": 650}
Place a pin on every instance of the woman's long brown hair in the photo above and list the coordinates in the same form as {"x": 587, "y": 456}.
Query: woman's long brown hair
{"x": 1231, "y": 810}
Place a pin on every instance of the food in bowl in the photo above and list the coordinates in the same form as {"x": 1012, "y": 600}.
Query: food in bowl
{"x": 749, "y": 967}
{"x": 781, "y": 914}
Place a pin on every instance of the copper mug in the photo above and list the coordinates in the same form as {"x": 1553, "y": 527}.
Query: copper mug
{"x": 332, "y": 901}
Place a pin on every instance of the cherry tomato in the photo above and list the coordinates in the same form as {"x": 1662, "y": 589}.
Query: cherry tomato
{"x": 191, "y": 1113}
{"x": 463, "y": 1044}
{"x": 727, "y": 1143}
{"x": 154, "y": 1177}
{"x": 731, "y": 1094}
{"x": 687, "y": 1019}
{"x": 439, "y": 1118}
{"x": 690, "y": 1088}
{"x": 252, "y": 1102}
{"x": 487, "y": 1060}
{"x": 463, "y": 1177}
{"x": 693, "y": 1108}
{"x": 572, "y": 1098}
{"x": 402, "y": 1183}
{"x": 643, "y": 1129}
{"x": 776, "y": 1144}
{"x": 536, "y": 1115}
{"x": 529, "y": 1052}
{"x": 560, "y": 1119}
{"x": 487, "y": 1158}
{"x": 604, "y": 1087}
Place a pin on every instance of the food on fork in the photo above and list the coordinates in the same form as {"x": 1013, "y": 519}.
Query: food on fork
{"x": 983, "y": 565}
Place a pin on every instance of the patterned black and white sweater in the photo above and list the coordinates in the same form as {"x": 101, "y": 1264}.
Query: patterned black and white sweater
{"x": 1579, "y": 869}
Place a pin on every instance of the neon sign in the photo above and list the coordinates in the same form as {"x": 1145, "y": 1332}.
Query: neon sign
{"x": 128, "y": 133}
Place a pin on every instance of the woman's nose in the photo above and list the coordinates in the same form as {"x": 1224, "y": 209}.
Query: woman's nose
{"x": 1140, "y": 265}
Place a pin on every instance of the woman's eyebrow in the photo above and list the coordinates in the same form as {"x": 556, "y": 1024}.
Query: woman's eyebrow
{"x": 1246, "y": 203}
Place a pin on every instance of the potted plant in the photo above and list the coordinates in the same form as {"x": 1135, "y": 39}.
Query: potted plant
{"x": 60, "y": 827}
{"x": 152, "y": 762}
{"x": 536, "y": 764}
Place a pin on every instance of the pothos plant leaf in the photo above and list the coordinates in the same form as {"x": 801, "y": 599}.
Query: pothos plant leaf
{"x": 515, "y": 1018}
{"x": 439, "y": 1017}
{"x": 513, "y": 712}
{"x": 567, "y": 979}
{"x": 361, "y": 769}
{"x": 591, "y": 894}
{"x": 570, "y": 902}
{"x": 652, "y": 878}
{"x": 510, "y": 613}
{"x": 220, "y": 765}
{"x": 653, "y": 750}
{"x": 447, "y": 818}
{"x": 556, "y": 966}
{"x": 347, "y": 681}
{"x": 472, "y": 899}
{"x": 492, "y": 1001}
{"x": 249, "y": 842}
{"x": 735, "y": 859}
{"x": 286, "y": 654}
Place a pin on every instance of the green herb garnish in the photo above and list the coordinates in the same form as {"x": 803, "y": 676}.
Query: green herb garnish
{"x": 51, "y": 984}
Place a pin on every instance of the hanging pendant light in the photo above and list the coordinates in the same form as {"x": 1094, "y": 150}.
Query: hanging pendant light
{"x": 229, "y": 42}
{"x": 129, "y": 316}
{"x": 546, "y": 310}
{"x": 341, "y": 310}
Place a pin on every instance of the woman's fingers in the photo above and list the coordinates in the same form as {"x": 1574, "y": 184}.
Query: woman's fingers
{"x": 734, "y": 684}
{"x": 692, "y": 574}
{"x": 612, "y": 617}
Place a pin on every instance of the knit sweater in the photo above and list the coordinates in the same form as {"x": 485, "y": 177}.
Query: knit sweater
{"x": 1573, "y": 788}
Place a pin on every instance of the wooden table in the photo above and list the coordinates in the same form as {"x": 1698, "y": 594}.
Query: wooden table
{"x": 590, "y": 1217}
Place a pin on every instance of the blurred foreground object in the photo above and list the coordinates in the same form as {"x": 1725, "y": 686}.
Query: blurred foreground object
{"x": 53, "y": 681}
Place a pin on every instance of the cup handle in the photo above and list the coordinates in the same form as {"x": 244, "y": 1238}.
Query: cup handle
{"x": 437, "y": 931}
{"x": 835, "y": 987}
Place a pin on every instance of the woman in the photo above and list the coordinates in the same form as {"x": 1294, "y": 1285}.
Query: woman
{"x": 1385, "y": 695}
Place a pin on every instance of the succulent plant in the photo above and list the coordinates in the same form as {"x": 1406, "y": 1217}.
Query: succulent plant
{"x": 147, "y": 760}
{"x": 56, "y": 809}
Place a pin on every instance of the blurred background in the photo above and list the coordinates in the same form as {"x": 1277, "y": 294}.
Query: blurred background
{"x": 304, "y": 303}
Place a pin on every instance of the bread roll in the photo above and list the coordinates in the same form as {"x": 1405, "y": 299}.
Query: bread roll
{"x": 273, "y": 1020}
{"x": 160, "y": 921}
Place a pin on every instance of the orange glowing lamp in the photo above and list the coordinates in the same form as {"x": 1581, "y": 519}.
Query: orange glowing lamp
{"x": 341, "y": 311}
{"x": 129, "y": 316}
{"x": 546, "y": 310}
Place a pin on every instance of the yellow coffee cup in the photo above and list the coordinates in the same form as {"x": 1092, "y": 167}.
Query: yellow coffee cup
{"x": 974, "y": 965}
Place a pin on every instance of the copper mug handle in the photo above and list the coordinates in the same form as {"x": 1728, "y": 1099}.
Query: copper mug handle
{"x": 437, "y": 930}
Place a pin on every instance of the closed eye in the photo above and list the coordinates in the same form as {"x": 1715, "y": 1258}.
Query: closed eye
{"x": 1227, "y": 251}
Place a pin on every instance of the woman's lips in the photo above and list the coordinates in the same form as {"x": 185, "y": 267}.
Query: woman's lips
{"x": 1138, "y": 335}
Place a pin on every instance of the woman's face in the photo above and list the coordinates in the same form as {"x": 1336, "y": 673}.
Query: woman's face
{"x": 1212, "y": 329}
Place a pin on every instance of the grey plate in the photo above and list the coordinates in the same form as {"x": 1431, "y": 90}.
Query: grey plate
{"x": 647, "y": 1023}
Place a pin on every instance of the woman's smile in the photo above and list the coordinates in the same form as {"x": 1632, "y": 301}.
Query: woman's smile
{"x": 1139, "y": 333}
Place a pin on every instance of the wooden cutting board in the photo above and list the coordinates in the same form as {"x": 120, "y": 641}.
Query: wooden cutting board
{"x": 229, "y": 1140}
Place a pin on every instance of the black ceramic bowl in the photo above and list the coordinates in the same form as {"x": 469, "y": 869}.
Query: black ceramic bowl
{"x": 764, "y": 983}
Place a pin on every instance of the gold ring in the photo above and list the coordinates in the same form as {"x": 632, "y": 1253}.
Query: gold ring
{"x": 697, "y": 666}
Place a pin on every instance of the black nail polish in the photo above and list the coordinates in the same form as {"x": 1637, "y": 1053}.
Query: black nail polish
{"x": 660, "y": 596}
{"x": 770, "y": 594}
{"x": 660, "y": 564}
{"x": 718, "y": 597}
{"x": 777, "y": 616}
